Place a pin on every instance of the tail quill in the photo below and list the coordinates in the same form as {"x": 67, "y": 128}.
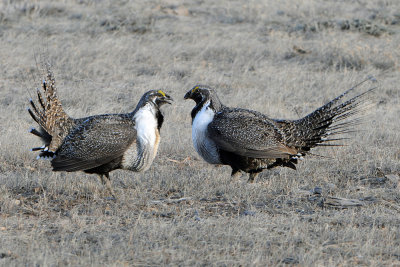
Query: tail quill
{"x": 40, "y": 98}
{"x": 36, "y": 132}
{"x": 48, "y": 113}
{"x": 320, "y": 127}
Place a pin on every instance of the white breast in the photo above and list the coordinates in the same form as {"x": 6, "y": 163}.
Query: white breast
{"x": 202, "y": 143}
{"x": 140, "y": 155}
{"x": 146, "y": 123}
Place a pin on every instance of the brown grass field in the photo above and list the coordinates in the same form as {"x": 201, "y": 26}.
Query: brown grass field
{"x": 282, "y": 58}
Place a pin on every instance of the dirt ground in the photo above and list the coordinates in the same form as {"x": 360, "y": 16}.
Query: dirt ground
{"x": 282, "y": 58}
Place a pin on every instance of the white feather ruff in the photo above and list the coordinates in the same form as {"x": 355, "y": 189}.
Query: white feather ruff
{"x": 202, "y": 143}
{"x": 146, "y": 126}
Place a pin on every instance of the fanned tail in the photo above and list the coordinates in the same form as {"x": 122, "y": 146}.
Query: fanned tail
{"x": 47, "y": 111}
{"x": 324, "y": 126}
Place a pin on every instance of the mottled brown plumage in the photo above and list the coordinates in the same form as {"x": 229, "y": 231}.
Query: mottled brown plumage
{"x": 250, "y": 141}
{"x": 101, "y": 143}
{"x": 54, "y": 123}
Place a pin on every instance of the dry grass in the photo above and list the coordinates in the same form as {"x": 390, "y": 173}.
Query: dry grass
{"x": 278, "y": 57}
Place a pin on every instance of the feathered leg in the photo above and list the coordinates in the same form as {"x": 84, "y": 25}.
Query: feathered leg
{"x": 107, "y": 182}
{"x": 253, "y": 176}
{"x": 236, "y": 174}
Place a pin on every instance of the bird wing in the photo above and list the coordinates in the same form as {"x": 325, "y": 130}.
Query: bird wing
{"x": 248, "y": 133}
{"x": 97, "y": 141}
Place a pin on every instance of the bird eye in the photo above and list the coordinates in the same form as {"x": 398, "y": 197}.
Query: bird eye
{"x": 195, "y": 89}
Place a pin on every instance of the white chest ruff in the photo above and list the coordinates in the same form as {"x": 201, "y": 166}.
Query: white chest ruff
{"x": 141, "y": 154}
{"x": 146, "y": 124}
{"x": 202, "y": 143}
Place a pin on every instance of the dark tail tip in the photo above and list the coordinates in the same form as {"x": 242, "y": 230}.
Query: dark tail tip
{"x": 36, "y": 132}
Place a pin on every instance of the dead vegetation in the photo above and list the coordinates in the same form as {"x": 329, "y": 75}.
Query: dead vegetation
{"x": 281, "y": 58}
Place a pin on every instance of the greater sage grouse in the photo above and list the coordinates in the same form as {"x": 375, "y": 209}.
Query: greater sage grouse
{"x": 249, "y": 141}
{"x": 101, "y": 143}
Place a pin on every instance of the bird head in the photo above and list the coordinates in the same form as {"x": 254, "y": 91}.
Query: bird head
{"x": 199, "y": 93}
{"x": 202, "y": 94}
{"x": 157, "y": 97}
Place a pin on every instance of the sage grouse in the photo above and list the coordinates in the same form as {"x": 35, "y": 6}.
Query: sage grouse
{"x": 101, "y": 143}
{"x": 249, "y": 141}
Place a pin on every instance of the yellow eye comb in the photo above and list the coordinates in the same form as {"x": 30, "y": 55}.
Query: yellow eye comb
{"x": 161, "y": 92}
{"x": 194, "y": 89}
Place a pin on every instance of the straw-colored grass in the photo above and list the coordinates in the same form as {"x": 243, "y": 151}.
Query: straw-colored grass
{"x": 282, "y": 58}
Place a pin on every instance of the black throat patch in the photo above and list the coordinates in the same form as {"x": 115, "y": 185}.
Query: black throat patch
{"x": 160, "y": 119}
{"x": 199, "y": 106}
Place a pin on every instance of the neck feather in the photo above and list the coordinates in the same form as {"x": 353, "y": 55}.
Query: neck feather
{"x": 215, "y": 105}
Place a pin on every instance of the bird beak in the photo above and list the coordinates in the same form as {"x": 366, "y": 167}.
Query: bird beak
{"x": 167, "y": 99}
{"x": 188, "y": 95}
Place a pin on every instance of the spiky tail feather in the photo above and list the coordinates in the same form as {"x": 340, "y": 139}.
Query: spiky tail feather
{"x": 325, "y": 125}
{"x": 50, "y": 116}
{"x": 46, "y": 138}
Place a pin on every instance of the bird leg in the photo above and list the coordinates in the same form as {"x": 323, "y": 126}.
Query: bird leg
{"x": 236, "y": 174}
{"x": 253, "y": 176}
{"x": 107, "y": 182}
